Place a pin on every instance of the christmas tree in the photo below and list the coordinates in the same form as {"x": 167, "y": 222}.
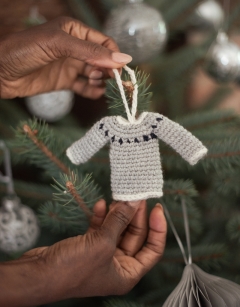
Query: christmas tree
{"x": 62, "y": 195}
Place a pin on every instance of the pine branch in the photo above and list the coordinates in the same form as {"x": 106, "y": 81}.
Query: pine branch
{"x": 114, "y": 97}
{"x": 60, "y": 220}
{"x": 74, "y": 192}
{"x": 71, "y": 189}
{"x": 41, "y": 147}
{"x": 224, "y": 182}
{"x": 32, "y": 134}
{"x": 223, "y": 155}
{"x": 179, "y": 188}
{"x": 73, "y": 201}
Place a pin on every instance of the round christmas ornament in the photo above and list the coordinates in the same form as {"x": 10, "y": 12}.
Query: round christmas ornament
{"x": 19, "y": 228}
{"x": 138, "y": 29}
{"x": 51, "y": 106}
{"x": 208, "y": 15}
{"x": 134, "y": 148}
{"x": 222, "y": 60}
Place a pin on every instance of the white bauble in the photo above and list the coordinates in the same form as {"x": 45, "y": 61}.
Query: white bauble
{"x": 138, "y": 29}
{"x": 222, "y": 60}
{"x": 51, "y": 106}
{"x": 19, "y": 227}
{"x": 208, "y": 15}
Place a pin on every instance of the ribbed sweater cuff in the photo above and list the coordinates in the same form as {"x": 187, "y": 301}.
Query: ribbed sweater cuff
{"x": 198, "y": 155}
{"x": 70, "y": 156}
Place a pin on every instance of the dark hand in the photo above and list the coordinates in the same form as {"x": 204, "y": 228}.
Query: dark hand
{"x": 109, "y": 260}
{"x": 60, "y": 54}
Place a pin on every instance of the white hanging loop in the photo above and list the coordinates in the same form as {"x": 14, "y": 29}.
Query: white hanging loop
{"x": 130, "y": 115}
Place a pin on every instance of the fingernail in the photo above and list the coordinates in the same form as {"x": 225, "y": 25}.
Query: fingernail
{"x": 95, "y": 82}
{"x": 121, "y": 58}
{"x": 160, "y": 206}
{"x": 96, "y": 74}
{"x": 134, "y": 203}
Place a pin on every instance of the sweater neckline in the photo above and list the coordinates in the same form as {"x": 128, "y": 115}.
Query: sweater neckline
{"x": 121, "y": 120}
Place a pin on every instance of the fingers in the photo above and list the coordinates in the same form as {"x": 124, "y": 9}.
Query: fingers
{"x": 87, "y": 90}
{"x": 82, "y": 31}
{"x": 136, "y": 232}
{"x": 80, "y": 42}
{"x": 152, "y": 252}
{"x": 100, "y": 211}
{"x": 65, "y": 45}
{"x": 118, "y": 219}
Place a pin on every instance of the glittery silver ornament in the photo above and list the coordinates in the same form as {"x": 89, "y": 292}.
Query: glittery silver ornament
{"x": 207, "y": 15}
{"x": 199, "y": 289}
{"x": 51, "y": 106}
{"x": 138, "y": 29}
{"x": 222, "y": 60}
{"x": 19, "y": 228}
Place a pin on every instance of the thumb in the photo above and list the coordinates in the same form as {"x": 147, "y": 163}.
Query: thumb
{"x": 119, "y": 217}
{"x": 89, "y": 52}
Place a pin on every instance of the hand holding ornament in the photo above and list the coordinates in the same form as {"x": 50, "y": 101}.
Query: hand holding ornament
{"x": 61, "y": 54}
{"x": 108, "y": 260}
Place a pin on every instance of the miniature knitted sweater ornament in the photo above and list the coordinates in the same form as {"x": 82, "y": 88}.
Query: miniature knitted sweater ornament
{"x": 136, "y": 171}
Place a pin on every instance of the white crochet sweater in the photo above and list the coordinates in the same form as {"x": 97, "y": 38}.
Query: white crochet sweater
{"x": 136, "y": 171}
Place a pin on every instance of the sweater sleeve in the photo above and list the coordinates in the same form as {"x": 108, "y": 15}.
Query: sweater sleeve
{"x": 181, "y": 140}
{"x": 82, "y": 150}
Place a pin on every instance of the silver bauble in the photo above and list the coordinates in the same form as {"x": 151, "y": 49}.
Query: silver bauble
{"x": 51, "y": 106}
{"x": 222, "y": 60}
{"x": 208, "y": 15}
{"x": 19, "y": 228}
{"x": 199, "y": 289}
{"x": 138, "y": 29}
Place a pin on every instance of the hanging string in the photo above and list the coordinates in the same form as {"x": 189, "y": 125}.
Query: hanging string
{"x": 187, "y": 230}
{"x": 179, "y": 241}
{"x": 8, "y": 171}
{"x": 130, "y": 115}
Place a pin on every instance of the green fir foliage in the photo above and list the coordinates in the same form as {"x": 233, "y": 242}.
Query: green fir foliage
{"x": 211, "y": 189}
{"x": 32, "y": 153}
{"x": 84, "y": 186}
{"x": 59, "y": 219}
{"x": 114, "y": 98}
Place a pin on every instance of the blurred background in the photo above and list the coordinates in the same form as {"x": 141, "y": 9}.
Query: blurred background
{"x": 189, "y": 53}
